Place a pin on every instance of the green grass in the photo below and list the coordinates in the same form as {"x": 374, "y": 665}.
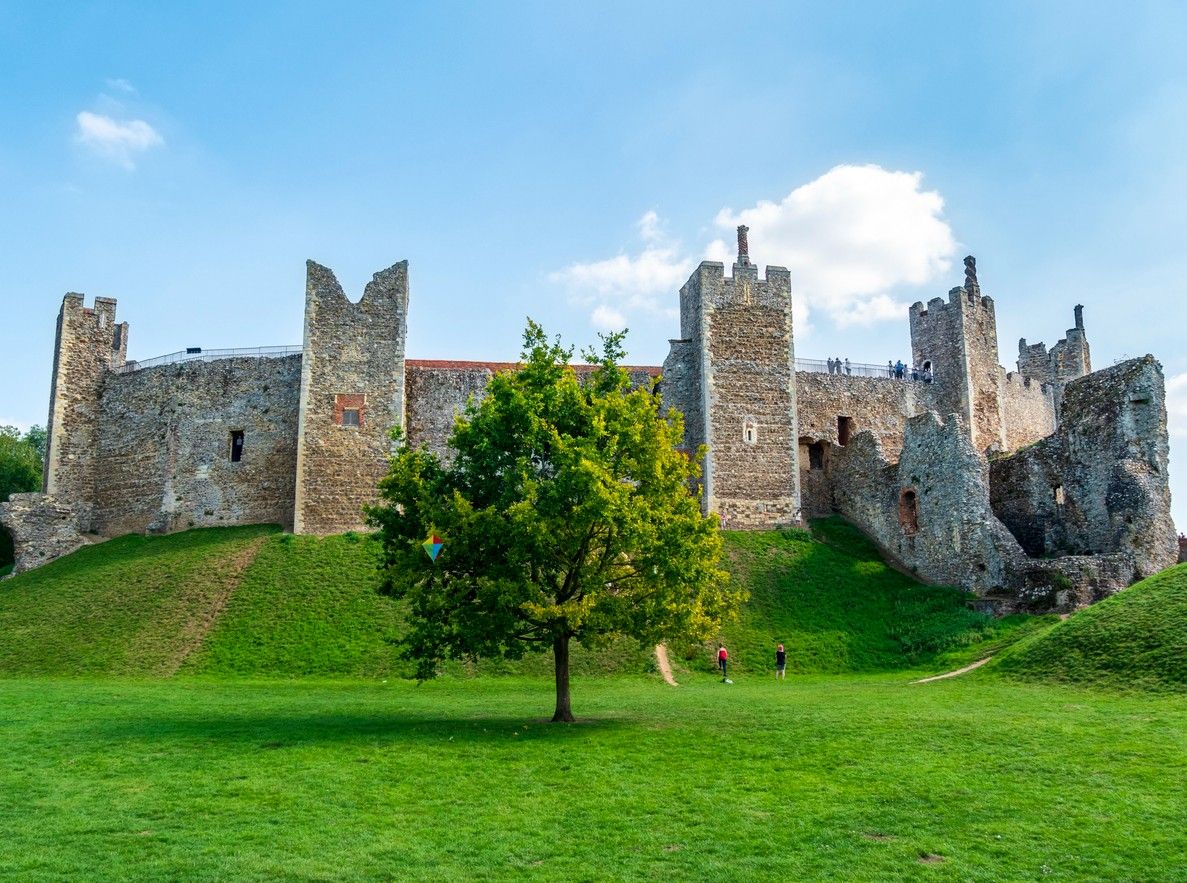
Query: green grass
{"x": 121, "y": 607}
{"x": 307, "y": 606}
{"x": 1136, "y": 639}
{"x": 851, "y": 777}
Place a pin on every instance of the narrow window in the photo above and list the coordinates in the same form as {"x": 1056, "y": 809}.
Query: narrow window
{"x": 350, "y": 409}
{"x": 1057, "y": 491}
{"x": 816, "y": 455}
{"x": 236, "y": 445}
{"x": 750, "y": 431}
{"x": 908, "y": 512}
{"x": 844, "y": 427}
{"x": 350, "y": 417}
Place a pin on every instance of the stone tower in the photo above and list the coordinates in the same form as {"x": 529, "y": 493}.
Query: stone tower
{"x": 731, "y": 373}
{"x": 957, "y": 342}
{"x": 89, "y": 344}
{"x": 352, "y": 395}
{"x": 1069, "y": 359}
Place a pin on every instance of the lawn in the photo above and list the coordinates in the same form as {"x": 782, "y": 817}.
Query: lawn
{"x": 826, "y": 777}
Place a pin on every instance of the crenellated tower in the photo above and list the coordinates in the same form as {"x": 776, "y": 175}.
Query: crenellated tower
{"x": 956, "y": 341}
{"x": 731, "y": 373}
{"x": 1068, "y": 360}
{"x": 89, "y": 344}
{"x": 352, "y": 395}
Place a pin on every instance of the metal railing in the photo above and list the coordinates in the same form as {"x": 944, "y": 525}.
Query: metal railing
{"x": 197, "y": 354}
{"x": 857, "y": 369}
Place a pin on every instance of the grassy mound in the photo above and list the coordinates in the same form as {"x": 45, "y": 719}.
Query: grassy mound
{"x": 1137, "y": 638}
{"x": 131, "y": 606}
{"x": 829, "y": 598}
{"x": 252, "y": 601}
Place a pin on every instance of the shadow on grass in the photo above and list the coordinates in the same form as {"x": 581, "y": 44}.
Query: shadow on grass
{"x": 271, "y": 731}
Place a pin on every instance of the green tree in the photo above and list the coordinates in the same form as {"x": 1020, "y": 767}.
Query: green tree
{"x": 20, "y": 460}
{"x": 567, "y": 513}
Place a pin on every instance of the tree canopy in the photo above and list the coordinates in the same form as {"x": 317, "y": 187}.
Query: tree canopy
{"x": 20, "y": 472}
{"x": 567, "y": 513}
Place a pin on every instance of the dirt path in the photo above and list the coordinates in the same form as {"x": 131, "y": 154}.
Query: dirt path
{"x": 665, "y": 667}
{"x": 953, "y": 674}
{"x": 196, "y": 630}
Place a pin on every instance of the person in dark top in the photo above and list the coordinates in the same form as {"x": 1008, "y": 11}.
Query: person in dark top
{"x": 780, "y": 664}
{"x": 723, "y": 661}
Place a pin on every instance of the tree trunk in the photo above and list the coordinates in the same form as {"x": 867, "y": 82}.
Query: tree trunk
{"x": 560, "y": 653}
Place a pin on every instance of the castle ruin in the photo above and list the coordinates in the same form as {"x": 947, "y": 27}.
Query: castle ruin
{"x": 1042, "y": 488}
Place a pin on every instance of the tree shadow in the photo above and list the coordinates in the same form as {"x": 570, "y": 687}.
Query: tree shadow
{"x": 280, "y": 730}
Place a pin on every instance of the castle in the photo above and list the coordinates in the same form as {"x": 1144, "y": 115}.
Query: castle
{"x": 1043, "y": 488}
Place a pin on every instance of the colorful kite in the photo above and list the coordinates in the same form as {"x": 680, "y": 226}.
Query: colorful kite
{"x": 432, "y": 546}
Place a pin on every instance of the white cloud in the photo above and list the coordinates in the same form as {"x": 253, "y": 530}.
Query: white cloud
{"x": 606, "y": 318}
{"x": 115, "y": 140}
{"x": 850, "y": 238}
{"x": 1176, "y": 404}
{"x": 119, "y": 84}
{"x": 627, "y": 283}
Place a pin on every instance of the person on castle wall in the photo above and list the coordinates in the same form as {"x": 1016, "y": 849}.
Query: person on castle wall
{"x": 900, "y": 370}
{"x": 780, "y": 663}
{"x": 831, "y": 365}
{"x": 889, "y": 368}
{"x": 848, "y": 370}
{"x": 927, "y": 378}
{"x": 914, "y": 372}
{"x": 723, "y": 658}
{"x": 837, "y": 362}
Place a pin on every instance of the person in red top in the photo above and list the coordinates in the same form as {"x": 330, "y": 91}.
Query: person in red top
{"x": 722, "y": 661}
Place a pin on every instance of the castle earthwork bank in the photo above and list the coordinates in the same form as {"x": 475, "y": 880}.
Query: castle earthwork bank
{"x": 1043, "y": 488}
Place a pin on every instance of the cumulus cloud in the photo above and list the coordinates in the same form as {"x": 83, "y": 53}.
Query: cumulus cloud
{"x": 850, "y": 238}
{"x": 643, "y": 281}
{"x": 117, "y": 141}
{"x": 1176, "y": 404}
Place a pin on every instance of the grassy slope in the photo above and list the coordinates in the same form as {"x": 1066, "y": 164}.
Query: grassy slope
{"x": 123, "y": 607}
{"x": 1137, "y": 638}
{"x": 830, "y": 599}
{"x": 840, "y": 778}
{"x": 308, "y": 606}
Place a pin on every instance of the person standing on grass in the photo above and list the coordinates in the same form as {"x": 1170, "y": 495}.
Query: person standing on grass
{"x": 780, "y": 664}
{"x": 723, "y": 658}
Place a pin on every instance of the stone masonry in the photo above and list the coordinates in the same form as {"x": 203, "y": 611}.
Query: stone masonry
{"x": 1044, "y": 488}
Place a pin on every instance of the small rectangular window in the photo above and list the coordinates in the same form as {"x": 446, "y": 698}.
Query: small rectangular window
{"x": 236, "y": 445}
{"x": 844, "y": 428}
{"x": 350, "y": 416}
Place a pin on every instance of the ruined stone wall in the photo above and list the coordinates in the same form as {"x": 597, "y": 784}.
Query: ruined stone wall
{"x": 89, "y": 344}
{"x": 1099, "y": 484}
{"x": 352, "y": 363}
{"x": 1028, "y": 410}
{"x": 931, "y": 512}
{"x": 43, "y": 528}
{"x": 879, "y": 405}
{"x": 682, "y": 391}
{"x": 742, "y": 327}
{"x": 164, "y": 443}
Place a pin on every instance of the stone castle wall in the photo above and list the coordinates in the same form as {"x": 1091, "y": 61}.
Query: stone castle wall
{"x": 164, "y": 442}
{"x": 1028, "y": 410}
{"x": 353, "y": 364}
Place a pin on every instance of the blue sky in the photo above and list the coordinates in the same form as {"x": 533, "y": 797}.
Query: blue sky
{"x": 572, "y": 163}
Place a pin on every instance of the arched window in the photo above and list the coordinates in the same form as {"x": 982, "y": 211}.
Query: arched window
{"x": 908, "y": 512}
{"x": 750, "y": 431}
